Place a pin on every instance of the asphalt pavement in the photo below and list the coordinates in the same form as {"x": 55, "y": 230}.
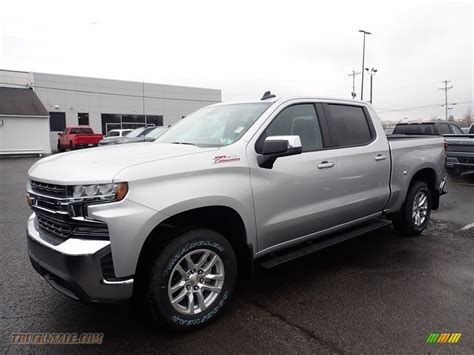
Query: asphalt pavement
{"x": 379, "y": 293}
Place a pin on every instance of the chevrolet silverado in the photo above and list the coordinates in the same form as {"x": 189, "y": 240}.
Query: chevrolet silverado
{"x": 171, "y": 224}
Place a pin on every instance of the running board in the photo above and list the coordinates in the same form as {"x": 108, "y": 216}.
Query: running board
{"x": 278, "y": 258}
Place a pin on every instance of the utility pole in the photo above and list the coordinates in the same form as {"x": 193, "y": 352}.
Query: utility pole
{"x": 353, "y": 93}
{"x": 371, "y": 72}
{"x": 143, "y": 101}
{"x": 445, "y": 89}
{"x": 363, "y": 64}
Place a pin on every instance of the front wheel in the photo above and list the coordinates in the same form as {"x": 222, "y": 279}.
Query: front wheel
{"x": 191, "y": 279}
{"x": 415, "y": 213}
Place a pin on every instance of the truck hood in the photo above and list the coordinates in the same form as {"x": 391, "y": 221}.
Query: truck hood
{"x": 101, "y": 165}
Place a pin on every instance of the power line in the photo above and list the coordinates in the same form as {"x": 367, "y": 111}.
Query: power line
{"x": 382, "y": 110}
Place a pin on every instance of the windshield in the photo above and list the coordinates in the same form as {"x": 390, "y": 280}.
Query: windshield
{"x": 215, "y": 126}
{"x": 156, "y": 132}
{"x": 136, "y": 132}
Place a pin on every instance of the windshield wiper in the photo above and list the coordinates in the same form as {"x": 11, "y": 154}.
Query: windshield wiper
{"x": 187, "y": 143}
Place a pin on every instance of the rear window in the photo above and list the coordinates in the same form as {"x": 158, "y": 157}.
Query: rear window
{"x": 422, "y": 129}
{"x": 443, "y": 128}
{"x": 349, "y": 124}
{"x": 82, "y": 131}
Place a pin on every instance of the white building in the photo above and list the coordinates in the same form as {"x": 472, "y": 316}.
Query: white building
{"x": 107, "y": 104}
{"x": 24, "y": 123}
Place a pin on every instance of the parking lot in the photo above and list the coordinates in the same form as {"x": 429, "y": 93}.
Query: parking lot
{"x": 378, "y": 293}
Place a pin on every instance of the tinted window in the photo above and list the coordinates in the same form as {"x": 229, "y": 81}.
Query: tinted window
{"x": 471, "y": 130}
{"x": 81, "y": 131}
{"x": 57, "y": 121}
{"x": 415, "y": 128}
{"x": 456, "y": 129}
{"x": 349, "y": 124}
{"x": 297, "y": 120}
{"x": 443, "y": 128}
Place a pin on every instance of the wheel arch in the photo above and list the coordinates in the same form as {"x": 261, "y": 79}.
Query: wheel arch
{"x": 428, "y": 175}
{"x": 223, "y": 219}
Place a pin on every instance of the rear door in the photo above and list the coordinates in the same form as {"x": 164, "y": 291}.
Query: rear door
{"x": 362, "y": 170}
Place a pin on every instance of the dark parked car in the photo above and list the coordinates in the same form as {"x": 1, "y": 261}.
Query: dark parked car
{"x": 428, "y": 128}
{"x": 460, "y": 146}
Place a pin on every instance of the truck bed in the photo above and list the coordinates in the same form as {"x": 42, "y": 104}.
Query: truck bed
{"x": 409, "y": 152}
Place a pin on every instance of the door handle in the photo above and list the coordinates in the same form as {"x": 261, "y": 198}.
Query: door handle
{"x": 326, "y": 164}
{"x": 380, "y": 157}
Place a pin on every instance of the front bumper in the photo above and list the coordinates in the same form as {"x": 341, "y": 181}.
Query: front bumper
{"x": 74, "y": 267}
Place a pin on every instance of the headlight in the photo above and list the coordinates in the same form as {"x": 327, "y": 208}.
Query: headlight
{"x": 115, "y": 192}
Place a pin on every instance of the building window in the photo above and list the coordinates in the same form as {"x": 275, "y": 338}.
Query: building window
{"x": 83, "y": 119}
{"x": 111, "y": 121}
{"x": 154, "y": 120}
{"x": 119, "y": 121}
{"x": 57, "y": 121}
{"x": 132, "y": 121}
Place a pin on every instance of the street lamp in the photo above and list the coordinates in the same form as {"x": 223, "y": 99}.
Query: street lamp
{"x": 371, "y": 72}
{"x": 363, "y": 63}
{"x": 448, "y": 108}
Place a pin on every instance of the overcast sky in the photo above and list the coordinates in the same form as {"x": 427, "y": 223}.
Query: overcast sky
{"x": 247, "y": 47}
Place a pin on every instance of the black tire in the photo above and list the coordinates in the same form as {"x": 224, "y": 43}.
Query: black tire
{"x": 403, "y": 220}
{"x": 71, "y": 146}
{"x": 162, "y": 266}
{"x": 60, "y": 148}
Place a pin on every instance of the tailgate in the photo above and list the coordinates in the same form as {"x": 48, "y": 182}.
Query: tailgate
{"x": 88, "y": 138}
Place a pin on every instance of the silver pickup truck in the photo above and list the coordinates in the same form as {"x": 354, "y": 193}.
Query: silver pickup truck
{"x": 173, "y": 223}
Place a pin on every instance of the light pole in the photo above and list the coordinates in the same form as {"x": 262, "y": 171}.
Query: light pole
{"x": 448, "y": 109}
{"x": 371, "y": 72}
{"x": 353, "y": 93}
{"x": 363, "y": 64}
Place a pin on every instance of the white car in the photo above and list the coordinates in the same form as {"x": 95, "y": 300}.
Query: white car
{"x": 116, "y": 133}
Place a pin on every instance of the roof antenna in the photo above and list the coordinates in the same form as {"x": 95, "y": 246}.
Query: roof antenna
{"x": 267, "y": 95}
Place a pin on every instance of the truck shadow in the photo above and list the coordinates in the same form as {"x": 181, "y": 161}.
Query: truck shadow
{"x": 376, "y": 251}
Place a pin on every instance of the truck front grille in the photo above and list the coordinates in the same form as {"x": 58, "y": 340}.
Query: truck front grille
{"x": 54, "y": 226}
{"x": 65, "y": 229}
{"x": 58, "y": 191}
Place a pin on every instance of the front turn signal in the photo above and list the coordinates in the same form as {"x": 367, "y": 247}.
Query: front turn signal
{"x": 121, "y": 191}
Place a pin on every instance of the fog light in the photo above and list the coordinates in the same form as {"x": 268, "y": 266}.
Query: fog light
{"x": 30, "y": 200}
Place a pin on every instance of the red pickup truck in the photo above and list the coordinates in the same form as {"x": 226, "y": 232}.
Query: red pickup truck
{"x": 78, "y": 137}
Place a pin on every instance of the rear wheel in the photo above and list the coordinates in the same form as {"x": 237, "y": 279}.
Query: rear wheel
{"x": 415, "y": 213}
{"x": 191, "y": 279}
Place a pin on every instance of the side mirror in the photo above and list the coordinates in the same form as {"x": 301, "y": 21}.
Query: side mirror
{"x": 60, "y": 134}
{"x": 278, "y": 146}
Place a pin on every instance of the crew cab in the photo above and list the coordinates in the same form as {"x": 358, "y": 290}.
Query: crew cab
{"x": 460, "y": 146}
{"x": 172, "y": 223}
{"x": 78, "y": 137}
